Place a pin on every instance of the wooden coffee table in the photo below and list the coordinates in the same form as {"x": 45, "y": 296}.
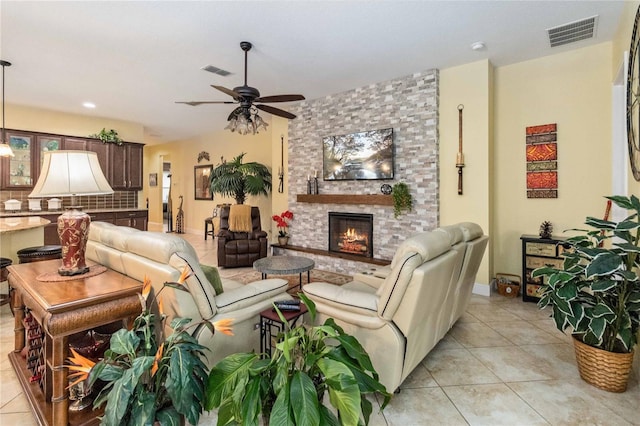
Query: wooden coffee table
{"x": 284, "y": 265}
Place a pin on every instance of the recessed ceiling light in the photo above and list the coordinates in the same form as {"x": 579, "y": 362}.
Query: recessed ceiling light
{"x": 89, "y": 105}
{"x": 478, "y": 45}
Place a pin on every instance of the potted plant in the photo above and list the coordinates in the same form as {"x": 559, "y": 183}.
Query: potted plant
{"x": 283, "y": 226}
{"x": 289, "y": 388}
{"x": 110, "y": 136}
{"x": 147, "y": 379}
{"x": 596, "y": 294}
{"x": 402, "y": 200}
{"x": 237, "y": 179}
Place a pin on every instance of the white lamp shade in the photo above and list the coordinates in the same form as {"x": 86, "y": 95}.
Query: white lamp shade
{"x": 71, "y": 173}
{"x": 5, "y": 150}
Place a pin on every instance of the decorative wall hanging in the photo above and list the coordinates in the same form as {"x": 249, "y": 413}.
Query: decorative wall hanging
{"x": 281, "y": 170}
{"x": 633, "y": 107}
{"x": 460, "y": 157}
{"x": 153, "y": 179}
{"x": 542, "y": 161}
{"x": 203, "y": 155}
{"x": 201, "y": 175}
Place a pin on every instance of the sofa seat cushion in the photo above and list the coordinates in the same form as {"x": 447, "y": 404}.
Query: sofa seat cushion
{"x": 250, "y": 294}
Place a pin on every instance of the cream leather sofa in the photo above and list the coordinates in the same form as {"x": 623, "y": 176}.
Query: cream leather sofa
{"x": 162, "y": 257}
{"x": 400, "y": 313}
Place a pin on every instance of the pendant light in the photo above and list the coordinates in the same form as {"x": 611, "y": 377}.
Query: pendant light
{"x": 5, "y": 149}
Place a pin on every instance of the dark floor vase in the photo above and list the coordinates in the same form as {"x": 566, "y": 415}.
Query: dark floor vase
{"x": 603, "y": 369}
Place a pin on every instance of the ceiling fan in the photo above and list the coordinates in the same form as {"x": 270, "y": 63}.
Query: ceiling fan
{"x": 249, "y": 97}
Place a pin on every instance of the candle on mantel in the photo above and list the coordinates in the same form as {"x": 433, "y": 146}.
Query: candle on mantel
{"x": 315, "y": 173}
{"x": 308, "y": 177}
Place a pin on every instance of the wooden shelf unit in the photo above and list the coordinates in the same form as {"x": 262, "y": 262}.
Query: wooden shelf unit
{"x": 369, "y": 199}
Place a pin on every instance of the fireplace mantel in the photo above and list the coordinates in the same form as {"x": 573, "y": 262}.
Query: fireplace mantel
{"x": 370, "y": 199}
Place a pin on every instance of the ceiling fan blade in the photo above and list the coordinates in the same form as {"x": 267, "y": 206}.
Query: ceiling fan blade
{"x": 196, "y": 103}
{"x": 280, "y": 98}
{"x": 229, "y": 92}
{"x": 276, "y": 111}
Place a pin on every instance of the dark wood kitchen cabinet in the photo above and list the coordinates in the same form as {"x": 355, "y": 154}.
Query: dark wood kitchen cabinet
{"x": 126, "y": 166}
{"x": 133, "y": 219}
{"x": 93, "y": 145}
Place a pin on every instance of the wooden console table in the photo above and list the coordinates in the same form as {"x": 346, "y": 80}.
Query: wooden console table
{"x": 63, "y": 308}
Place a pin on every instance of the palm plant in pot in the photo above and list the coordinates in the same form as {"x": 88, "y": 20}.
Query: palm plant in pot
{"x": 289, "y": 388}
{"x": 596, "y": 295}
{"x": 237, "y": 179}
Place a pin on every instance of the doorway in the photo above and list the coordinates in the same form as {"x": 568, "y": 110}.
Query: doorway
{"x": 166, "y": 201}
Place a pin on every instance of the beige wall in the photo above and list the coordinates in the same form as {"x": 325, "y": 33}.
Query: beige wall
{"x": 571, "y": 89}
{"x": 279, "y": 202}
{"x": 621, "y": 44}
{"x": 183, "y": 156}
{"x": 46, "y": 121}
{"x": 471, "y": 86}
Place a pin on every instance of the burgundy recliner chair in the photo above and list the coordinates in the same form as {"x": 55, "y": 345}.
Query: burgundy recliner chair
{"x": 240, "y": 248}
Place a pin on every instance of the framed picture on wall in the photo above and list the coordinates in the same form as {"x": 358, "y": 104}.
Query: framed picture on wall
{"x": 153, "y": 179}
{"x": 201, "y": 182}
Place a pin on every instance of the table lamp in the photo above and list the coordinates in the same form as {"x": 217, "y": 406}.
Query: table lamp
{"x": 71, "y": 173}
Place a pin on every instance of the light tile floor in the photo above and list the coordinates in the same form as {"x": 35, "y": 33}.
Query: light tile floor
{"x": 503, "y": 363}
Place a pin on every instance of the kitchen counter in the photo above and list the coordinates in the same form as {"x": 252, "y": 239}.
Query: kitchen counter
{"x": 23, "y": 213}
{"x": 20, "y": 232}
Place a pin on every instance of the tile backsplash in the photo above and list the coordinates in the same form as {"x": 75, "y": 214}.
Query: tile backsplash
{"x": 117, "y": 200}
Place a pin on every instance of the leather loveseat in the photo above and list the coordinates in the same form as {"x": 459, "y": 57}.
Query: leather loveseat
{"x": 162, "y": 257}
{"x": 240, "y": 248}
{"x": 399, "y": 313}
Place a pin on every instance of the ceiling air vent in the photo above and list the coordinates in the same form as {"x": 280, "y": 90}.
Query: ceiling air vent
{"x": 573, "y": 31}
{"x": 216, "y": 70}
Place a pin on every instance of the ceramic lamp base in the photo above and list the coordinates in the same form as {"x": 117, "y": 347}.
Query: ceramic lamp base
{"x": 73, "y": 230}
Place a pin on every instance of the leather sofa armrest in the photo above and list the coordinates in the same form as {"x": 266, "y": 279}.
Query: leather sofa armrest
{"x": 226, "y": 234}
{"x": 251, "y": 294}
{"x": 369, "y": 279}
{"x": 342, "y": 297}
{"x": 256, "y": 235}
{"x": 351, "y": 306}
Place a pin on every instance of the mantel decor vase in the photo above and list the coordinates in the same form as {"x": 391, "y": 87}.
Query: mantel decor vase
{"x": 283, "y": 241}
{"x": 603, "y": 369}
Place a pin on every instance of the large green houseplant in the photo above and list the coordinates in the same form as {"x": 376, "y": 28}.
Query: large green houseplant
{"x": 146, "y": 378}
{"x": 237, "y": 179}
{"x": 596, "y": 294}
{"x": 289, "y": 388}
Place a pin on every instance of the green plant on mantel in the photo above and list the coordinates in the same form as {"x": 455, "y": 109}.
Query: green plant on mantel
{"x": 105, "y": 136}
{"x": 402, "y": 200}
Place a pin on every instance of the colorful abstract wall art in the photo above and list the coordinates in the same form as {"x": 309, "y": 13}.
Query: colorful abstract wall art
{"x": 542, "y": 161}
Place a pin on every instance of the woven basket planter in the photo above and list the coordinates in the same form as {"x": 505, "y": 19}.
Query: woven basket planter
{"x": 605, "y": 370}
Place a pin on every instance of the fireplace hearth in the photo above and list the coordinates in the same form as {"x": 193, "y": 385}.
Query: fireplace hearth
{"x": 351, "y": 233}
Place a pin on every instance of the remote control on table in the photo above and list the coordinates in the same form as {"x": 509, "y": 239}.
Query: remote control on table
{"x": 288, "y": 307}
{"x": 294, "y": 302}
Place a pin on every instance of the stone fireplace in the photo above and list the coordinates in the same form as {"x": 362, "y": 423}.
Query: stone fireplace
{"x": 407, "y": 104}
{"x": 351, "y": 233}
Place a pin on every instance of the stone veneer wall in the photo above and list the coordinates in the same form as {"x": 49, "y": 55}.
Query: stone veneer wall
{"x": 410, "y": 106}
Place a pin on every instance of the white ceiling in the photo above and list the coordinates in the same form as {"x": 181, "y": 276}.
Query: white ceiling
{"x": 134, "y": 59}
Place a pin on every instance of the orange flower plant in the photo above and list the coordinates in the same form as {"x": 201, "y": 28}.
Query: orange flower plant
{"x": 153, "y": 380}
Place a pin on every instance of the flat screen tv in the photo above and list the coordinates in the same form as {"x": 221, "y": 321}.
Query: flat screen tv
{"x": 358, "y": 156}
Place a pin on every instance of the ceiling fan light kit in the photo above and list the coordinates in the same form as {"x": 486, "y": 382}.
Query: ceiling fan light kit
{"x": 245, "y": 119}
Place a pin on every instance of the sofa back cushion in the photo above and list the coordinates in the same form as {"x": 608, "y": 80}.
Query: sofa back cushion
{"x": 412, "y": 253}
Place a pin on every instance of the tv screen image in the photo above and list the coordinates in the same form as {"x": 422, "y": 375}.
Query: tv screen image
{"x": 358, "y": 156}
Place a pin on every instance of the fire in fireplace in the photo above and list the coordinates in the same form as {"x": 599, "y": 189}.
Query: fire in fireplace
{"x": 351, "y": 233}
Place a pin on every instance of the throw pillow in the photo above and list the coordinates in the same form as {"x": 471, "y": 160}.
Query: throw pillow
{"x": 211, "y": 272}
